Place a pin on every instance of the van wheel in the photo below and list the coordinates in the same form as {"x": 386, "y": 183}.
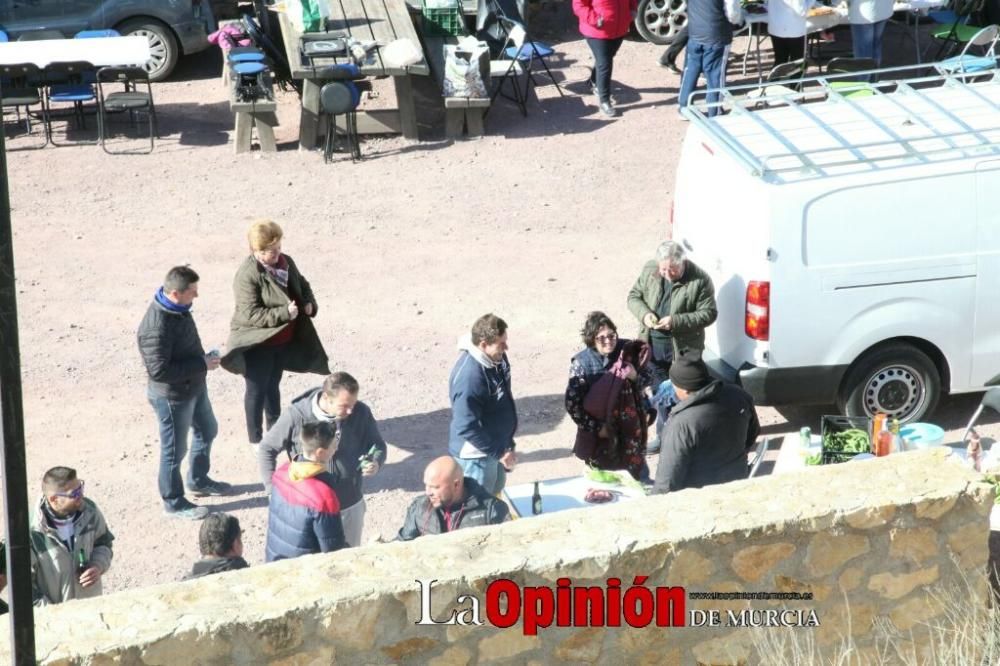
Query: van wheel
{"x": 163, "y": 48}
{"x": 898, "y": 380}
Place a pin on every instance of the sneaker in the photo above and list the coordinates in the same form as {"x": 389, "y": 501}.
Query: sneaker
{"x": 211, "y": 488}
{"x": 608, "y": 110}
{"x": 187, "y": 512}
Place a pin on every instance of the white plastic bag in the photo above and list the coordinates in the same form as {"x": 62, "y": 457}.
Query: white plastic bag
{"x": 401, "y": 53}
{"x": 464, "y": 70}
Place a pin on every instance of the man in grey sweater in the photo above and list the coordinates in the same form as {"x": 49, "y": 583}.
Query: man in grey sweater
{"x": 361, "y": 450}
{"x": 709, "y": 431}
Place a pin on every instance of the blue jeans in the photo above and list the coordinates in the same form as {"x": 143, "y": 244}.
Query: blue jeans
{"x": 867, "y": 40}
{"x": 703, "y": 58}
{"x": 488, "y": 472}
{"x": 175, "y": 418}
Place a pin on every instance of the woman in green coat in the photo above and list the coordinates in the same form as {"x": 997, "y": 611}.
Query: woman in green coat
{"x": 271, "y": 330}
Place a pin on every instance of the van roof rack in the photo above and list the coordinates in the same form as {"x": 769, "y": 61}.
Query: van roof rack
{"x": 813, "y": 127}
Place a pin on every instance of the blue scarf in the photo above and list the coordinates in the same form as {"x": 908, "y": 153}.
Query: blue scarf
{"x": 162, "y": 299}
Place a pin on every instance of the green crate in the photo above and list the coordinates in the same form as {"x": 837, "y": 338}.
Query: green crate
{"x": 443, "y": 21}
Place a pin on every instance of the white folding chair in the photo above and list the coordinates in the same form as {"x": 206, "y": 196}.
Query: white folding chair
{"x": 758, "y": 456}
{"x": 966, "y": 63}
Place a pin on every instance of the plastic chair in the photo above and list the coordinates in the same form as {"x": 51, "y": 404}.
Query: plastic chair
{"x": 851, "y": 86}
{"x": 341, "y": 98}
{"x": 510, "y": 68}
{"x": 23, "y": 83}
{"x": 96, "y": 34}
{"x": 67, "y": 82}
{"x": 777, "y": 78}
{"x": 965, "y": 63}
{"x": 758, "y": 456}
{"x": 130, "y": 99}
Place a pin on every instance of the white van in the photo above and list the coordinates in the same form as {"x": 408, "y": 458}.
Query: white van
{"x": 854, "y": 241}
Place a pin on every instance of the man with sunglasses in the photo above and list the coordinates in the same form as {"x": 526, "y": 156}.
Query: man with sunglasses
{"x": 70, "y": 541}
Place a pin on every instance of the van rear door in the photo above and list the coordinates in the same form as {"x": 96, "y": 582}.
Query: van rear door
{"x": 720, "y": 214}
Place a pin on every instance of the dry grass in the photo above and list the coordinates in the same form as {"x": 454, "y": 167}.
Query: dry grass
{"x": 965, "y": 633}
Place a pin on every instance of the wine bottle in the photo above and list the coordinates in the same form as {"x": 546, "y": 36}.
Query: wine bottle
{"x": 536, "y": 501}
{"x": 81, "y": 562}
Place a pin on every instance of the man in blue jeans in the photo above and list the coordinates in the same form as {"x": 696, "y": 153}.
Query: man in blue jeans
{"x": 483, "y": 415}
{"x": 709, "y": 35}
{"x": 177, "y": 365}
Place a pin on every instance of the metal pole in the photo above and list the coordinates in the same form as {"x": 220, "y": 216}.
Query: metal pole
{"x": 12, "y": 463}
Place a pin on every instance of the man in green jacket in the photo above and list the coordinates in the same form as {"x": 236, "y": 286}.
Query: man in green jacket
{"x": 70, "y": 541}
{"x": 674, "y": 301}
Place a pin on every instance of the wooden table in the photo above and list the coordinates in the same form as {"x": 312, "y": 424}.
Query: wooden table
{"x": 563, "y": 494}
{"x": 382, "y": 21}
{"x": 100, "y": 51}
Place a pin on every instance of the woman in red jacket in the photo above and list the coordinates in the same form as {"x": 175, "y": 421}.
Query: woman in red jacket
{"x": 604, "y": 24}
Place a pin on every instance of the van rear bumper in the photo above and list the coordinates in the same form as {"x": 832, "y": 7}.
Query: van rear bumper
{"x": 806, "y": 385}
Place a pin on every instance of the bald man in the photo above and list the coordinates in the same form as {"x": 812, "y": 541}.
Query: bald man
{"x": 450, "y": 502}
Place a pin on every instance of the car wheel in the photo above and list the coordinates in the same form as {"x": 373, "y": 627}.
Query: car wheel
{"x": 659, "y": 21}
{"x": 898, "y": 380}
{"x": 163, "y": 48}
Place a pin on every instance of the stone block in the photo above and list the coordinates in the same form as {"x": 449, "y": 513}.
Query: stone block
{"x": 324, "y": 656}
{"x": 870, "y": 517}
{"x": 843, "y": 623}
{"x": 690, "y": 568}
{"x": 896, "y": 586}
{"x": 505, "y": 645}
{"x": 583, "y": 645}
{"x": 970, "y": 543}
{"x": 932, "y": 509}
{"x": 409, "y": 648}
{"x": 731, "y": 650}
{"x": 752, "y": 562}
{"x": 827, "y": 551}
{"x": 453, "y": 656}
{"x": 916, "y": 544}
{"x": 850, "y": 578}
{"x": 914, "y": 611}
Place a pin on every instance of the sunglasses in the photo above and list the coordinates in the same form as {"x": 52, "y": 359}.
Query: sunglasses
{"x": 73, "y": 494}
{"x": 610, "y": 337}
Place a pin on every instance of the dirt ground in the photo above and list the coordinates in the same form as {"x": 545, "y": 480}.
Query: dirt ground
{"x": 546, "y": 218}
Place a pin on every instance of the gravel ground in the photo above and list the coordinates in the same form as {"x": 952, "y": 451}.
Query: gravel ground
{"x": 546, "y": 218}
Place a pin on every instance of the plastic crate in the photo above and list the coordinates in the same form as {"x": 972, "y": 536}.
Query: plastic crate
{"x": 831, "y": 424}
{"x": 443, "y": 21}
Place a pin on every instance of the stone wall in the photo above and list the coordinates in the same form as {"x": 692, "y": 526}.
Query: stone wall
{"x": 882, "y": 534}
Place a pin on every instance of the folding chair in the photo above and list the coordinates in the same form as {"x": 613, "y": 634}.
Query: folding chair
{"x": 67, "y": 82}
{"x": 529, "y": 52}
{"x": 758, "y": 456}
{"x": 22, "y": 86}
{"x": 991, "y": 399}
{"x": 96, "y": 34}
{"x": 37, "y": 35}
{"x": 509, "y": 68}
{"x": 958, "y": 32}
{"x": 779, "y": 83}
{"x": 851, "y": 86}
{"x": 966, "y": 63}
{"x": 341, "y": 97}
{"x": 130, "y": 100}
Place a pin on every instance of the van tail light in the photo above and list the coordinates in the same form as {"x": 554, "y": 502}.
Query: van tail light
{"x": 757, "y": 323}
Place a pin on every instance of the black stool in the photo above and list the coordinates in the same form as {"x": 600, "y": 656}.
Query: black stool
{"x": 340, "y": 98}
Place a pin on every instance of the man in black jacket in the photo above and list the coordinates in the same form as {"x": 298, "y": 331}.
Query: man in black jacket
{"x": 177, "y": 364}
{"x": 360, "y": 452}
{"x": 451, "y": 501}
{"x": 709, "y": 431}
{"x": 220, "y": 541}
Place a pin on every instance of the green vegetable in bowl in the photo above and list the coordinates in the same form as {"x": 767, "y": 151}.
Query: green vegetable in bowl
{"x": 604, "y": 476}
{"x": 854, "y": 440}
{"x": 815, "y": 459}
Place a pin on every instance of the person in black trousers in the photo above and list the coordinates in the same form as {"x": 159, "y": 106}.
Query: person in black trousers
{"x": 669, "y": 57}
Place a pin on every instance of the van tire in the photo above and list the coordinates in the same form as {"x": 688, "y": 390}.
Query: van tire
{"x": 897, "y": 379}
{"x": 163, "y": 46}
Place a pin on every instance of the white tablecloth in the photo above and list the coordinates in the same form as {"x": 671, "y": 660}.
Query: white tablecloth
{"x": 563, "y": 494}
{"x": 100, "y": 51}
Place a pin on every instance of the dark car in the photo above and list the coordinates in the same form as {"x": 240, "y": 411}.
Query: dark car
{"x": 173, "y": 27}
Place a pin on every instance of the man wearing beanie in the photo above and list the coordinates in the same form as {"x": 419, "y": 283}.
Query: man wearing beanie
{"x": 709, "y": 431}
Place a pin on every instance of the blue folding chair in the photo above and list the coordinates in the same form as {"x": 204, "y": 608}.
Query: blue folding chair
{"x": 3, "y": 37}
{"x": 529, "y": 52}
{"x": 67, "y": 83}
